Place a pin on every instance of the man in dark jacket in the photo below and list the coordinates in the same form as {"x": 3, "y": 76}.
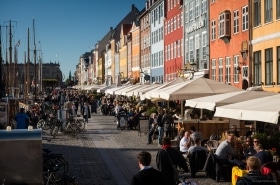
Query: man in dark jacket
{"x": 147, "y": 174}
{"x": 167, "y": 160}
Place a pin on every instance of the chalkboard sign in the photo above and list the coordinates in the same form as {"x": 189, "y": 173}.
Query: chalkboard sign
{"x": 143, "y": 124}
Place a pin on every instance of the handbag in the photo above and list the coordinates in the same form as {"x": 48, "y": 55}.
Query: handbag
{"x": 174, "y": 169}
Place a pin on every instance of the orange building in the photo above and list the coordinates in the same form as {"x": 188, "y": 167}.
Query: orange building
{"x": 229, "y": 42}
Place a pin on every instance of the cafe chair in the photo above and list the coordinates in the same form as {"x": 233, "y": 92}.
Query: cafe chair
{"x": 212, "y": 145}
{"x": 204, "y": 141}
{"x": 197, "y": 161}
{"x": 272, "y": 169}
{"x": 223, "y": 171}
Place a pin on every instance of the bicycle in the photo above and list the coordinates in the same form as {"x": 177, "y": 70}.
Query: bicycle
{"x": 51, "y": 160}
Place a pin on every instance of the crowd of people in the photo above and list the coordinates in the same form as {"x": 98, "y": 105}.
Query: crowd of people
{"x": 161, "y": 120}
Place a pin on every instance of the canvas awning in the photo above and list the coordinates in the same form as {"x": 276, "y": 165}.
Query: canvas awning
{"x": 264, "y": 109}
{"x": 210, "y": 102}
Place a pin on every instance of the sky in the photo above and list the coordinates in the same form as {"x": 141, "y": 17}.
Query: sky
{"x": 64, "y": 29}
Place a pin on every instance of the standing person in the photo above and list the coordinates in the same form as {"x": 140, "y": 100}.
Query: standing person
{"x": 147, "y": 174}
{"x": 254, "y": 176}
{"x": 152, "y": 126}
{"x": 234, "y": 130}
{"x": 167, "y": 120}
{"x": 22, "y": 119}
{"x": 160, "y": 126}
{"x": 168, "y": 159}
{"x": 86, "y": 112}
{"x": 250, "y": 132}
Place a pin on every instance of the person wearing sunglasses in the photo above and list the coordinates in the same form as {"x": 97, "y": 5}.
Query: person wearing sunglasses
{"x": 248, "y": 148}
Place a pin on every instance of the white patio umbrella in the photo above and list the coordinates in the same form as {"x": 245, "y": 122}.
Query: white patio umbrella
{"x": 103, "y": 89}
{"x": 196, "y": 88}
{"x": 142, "y": 88}
{"x": 210, "y": 102}
{"x": 123, "y": 91}
{"x": 148, "y": 94}
{"x": 264, "y": 109}
{"x": 113, "y": 90}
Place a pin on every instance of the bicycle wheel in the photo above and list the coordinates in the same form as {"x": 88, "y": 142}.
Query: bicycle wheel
{"x": 74, "y": 129}
{"x": 54, "y": 131}
{"x": 57, "y": 162}
{"x": 81, "y": 124}
{"x": 40, "y": 124}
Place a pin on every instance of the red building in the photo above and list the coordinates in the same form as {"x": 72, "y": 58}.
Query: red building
{"x": 173, "y": 39}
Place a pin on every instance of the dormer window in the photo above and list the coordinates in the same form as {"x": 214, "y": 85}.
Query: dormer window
{"x": 224, "y": 24}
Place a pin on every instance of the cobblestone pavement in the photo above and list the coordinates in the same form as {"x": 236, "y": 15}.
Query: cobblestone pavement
{"x": 103, "y": 155}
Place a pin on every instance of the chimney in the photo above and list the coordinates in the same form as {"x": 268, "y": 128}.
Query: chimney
{"x": 132, "y": 7}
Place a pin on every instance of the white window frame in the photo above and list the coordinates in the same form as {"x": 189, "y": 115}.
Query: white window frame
{"x": 228, "y": 70}
{"x": 220, "y": 60}
{"x": 245, "y": 18}
{"x": 213, "y": 68}
{"x": 236, "y": 64}
{"x": 236, "y": 21}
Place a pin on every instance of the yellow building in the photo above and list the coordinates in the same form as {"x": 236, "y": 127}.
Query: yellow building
{"x": 265, "y": 41}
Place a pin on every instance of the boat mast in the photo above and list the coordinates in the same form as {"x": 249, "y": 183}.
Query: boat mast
{"x": 35, "y": 68}
{"x": 2, "y": 86}
{"x": 28, "y": 65}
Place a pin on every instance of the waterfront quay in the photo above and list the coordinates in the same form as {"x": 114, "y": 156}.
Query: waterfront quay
{"x": 103, "y": 155}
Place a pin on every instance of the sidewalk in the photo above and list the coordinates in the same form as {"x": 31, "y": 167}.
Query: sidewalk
{"x": 103, "y": 155}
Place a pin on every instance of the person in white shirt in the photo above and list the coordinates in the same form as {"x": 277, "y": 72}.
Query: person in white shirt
{"x": 185, "y": 143}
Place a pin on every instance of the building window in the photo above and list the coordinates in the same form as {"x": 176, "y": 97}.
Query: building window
{"x": 268, "y": 66}
{"x": 187, "y": 51}
{"x": 224, "y": 24}
{"x": 191, "y": 11}
{"x": 236, "y": 72}
{"x": 257, "y": 13}
{"x": 267, "y": 11}
{"x": 257, "y": 68}
{"x": 213, "y": 69}
{"x": 220, "y": 70}
{"x": 197, "y": 8}
{"x": 191, "y": 45}
{"x": 213, "y": 30}
{"x": 204, "y": 5}
{"x": 228, "y": 70}
{"x": 187, "y": 13}
{"x": 278, "y": 64}
{"x": 245, "y": 18}
{"x": 236, "y": 21}
{"x": 277, "y": 9}
{"x": 204, "y": 43}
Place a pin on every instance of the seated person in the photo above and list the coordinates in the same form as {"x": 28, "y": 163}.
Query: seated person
{"x": 254, "y": 176}
{"x": 185, "y": 142}
{"x": 248, "y": 148}
{"x": 195, "y": 134}
{"x": 264, "y": 156}
{"x": 225, "y": 155}
{"x": 196, "y": 147}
